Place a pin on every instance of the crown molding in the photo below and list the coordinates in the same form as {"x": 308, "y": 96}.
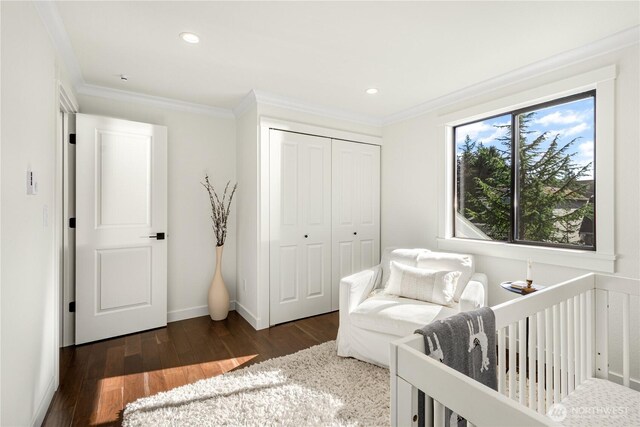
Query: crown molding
{"x": 156, "y": 101}
{"x": 245, "y": 103}
{"x": 52, "y": 21}
{"x": 603, "y": 46}
{"x": 266, "y": 98}
{"x": 54, "y": 24}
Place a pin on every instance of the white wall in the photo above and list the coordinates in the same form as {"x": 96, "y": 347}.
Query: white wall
{"x": 410, "y": 193}
{"x": 197, "y": 143}
{"x": 247, "y": 214}
{"x": 28, "y": 305}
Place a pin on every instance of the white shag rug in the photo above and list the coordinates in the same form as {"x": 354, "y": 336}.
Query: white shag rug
{"x": 313, "y": 387}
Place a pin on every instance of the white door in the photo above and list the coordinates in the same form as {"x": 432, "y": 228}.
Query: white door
{"x": 356, "y": 210}
{"x": 121, "y": 225}
{"x": 300, "y": 226}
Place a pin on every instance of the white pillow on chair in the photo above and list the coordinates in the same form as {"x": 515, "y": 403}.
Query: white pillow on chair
{"x": 421, "y": 284}
{"x": 449, "y": 262}
{"x": 402, "y": 256}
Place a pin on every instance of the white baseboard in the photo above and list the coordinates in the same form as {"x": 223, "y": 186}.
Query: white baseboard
{"x": 247, "y": 315}
{"x": 191, "y": 312}
{"x": 617, "y": 378}
{"x": 43, "y": 407}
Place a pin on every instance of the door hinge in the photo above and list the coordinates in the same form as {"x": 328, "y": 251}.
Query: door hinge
{"x": 72, "y": 307}
{"x": 72, "y": 138}
{"x": 72, "y": 223}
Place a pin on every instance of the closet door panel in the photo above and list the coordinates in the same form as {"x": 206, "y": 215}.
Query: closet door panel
{"x": 368, "y": 253}
{"x": 368, "y": 194}
{"x": 356, "y": 210}
{"x": 300, "y": 226}
{"x": 368, "y": 205}
{"x": 288, "y": 273}
{"x": 344, "y": 250}
{"x": 289, "y": 185}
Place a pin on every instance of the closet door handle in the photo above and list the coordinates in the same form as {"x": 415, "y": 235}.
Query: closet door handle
{"x": 355, "y": 233}
{"x": 306, "y": 236}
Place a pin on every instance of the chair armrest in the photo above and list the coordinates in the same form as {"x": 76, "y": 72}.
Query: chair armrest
{"x": 474, "y": 295}
{"x": 356, "y": 288}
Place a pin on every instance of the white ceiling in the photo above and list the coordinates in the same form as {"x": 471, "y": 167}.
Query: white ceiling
{"x": 326, "y": 53}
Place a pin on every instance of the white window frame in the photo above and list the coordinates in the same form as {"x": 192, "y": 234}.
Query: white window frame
{"x": 603, "y": 259}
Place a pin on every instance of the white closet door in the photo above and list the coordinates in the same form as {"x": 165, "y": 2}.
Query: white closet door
{"x": 356, "y": 210}
{"x": 300, "y": 226}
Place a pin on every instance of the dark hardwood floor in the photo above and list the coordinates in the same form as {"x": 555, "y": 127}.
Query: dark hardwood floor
{"x": 97, "y": 380}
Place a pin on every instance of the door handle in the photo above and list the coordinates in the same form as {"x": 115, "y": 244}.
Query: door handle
{"x": 159, "y": 236}
{"x": 306, "y": 236}
{"x": 355, "y": 233}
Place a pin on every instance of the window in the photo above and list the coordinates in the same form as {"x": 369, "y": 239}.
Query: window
{"x": 528, "y": 176}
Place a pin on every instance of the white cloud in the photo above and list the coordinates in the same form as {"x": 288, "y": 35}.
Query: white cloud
{"x": 480, "y": 131}
{"x": 584, "y": 156}
{"x": 473, "y": 130}
{"x": 498, "y": 132}
{"x": 562, "y": 118}
{"x": 574, "y": 130}
{"x": 565, "y": 117}
{"x": 586, "y": 149}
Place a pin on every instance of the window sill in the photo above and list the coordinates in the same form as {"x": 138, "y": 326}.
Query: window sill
{"x": 575, "y": 258}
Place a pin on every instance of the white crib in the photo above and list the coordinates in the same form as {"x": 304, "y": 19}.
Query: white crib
{"x": 562, "y": 334}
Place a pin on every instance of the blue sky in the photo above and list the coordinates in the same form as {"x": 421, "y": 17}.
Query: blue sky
{"x": 571, "y": 120}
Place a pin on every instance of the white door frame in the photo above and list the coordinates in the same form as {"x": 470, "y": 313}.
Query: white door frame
{"x": 65, "y": 104}
{"x": 260, "y": 320}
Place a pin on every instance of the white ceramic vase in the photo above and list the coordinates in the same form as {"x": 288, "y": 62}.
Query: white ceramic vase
{"x": 218, "y": 294}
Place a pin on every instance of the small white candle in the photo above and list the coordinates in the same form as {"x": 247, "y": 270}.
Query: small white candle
{"x": 529, "y": 268}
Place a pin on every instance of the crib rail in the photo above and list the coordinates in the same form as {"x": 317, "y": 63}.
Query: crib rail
{"x": 466, "y": 397}
{"x": 548, "y": 338}
{"x": 548, "y": 344}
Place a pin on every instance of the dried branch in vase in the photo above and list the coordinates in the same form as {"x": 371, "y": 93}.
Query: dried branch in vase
{"x": 220, "y": 208}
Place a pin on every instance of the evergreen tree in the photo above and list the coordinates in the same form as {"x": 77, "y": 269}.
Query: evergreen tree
{"x": 553, "y": 200}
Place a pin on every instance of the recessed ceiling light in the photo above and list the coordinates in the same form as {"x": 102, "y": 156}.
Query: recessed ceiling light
{"x": 372, "y": 91}
{"x": 190, "y": 38}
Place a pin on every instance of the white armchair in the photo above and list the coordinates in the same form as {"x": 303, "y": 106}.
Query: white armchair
{"x": 370, "y": 320}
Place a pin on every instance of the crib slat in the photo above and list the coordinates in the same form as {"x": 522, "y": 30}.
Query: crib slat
{"x": 590, "y": 334}
{"x": 625, "y": 339}
{"x": 576, "y": 342}
{"x": 563, "y": 350}
{"x": 602, "y": 333}
{"x": 428, "y": 412}
{"x": 548, "y": 349}
{"x": 541, "y": 360}
{"x": 532, "y": 362}
{"x": 522, "y": 357}
{"x": 438, "y": 414}
{"x": 512, "y": 361}
{"x": 570, "y": 347}
{"x": 501, "y": 361}
{"x": 583, "y": 337}
{"x": 556, "y": 354}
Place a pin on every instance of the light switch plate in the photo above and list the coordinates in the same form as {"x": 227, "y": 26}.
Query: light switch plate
{"x": 32, "y": 184}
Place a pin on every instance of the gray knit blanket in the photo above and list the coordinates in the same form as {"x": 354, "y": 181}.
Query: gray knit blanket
{"x": 465, "y": 342}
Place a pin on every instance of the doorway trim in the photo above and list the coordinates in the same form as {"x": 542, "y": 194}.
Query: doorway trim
{"x": 66, "y": 104}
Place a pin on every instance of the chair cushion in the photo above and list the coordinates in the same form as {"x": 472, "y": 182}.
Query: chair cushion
{"x": 425, "y": 285}
{"x": 403, "y": 256}
{"x": 397, "y": 316}
{"x": 449, "y": 262}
